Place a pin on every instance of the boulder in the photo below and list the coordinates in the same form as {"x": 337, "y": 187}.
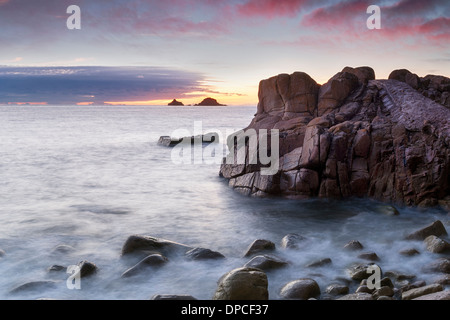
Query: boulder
{"x": 87, "y": 268}
{"x": 301, "y": 289}
{"x": 360, "y": 271}
{"x": 243, "y": 284}
{"x": 145, "y": 245}
{"x": 292, "y": 241}
{"x": 441, "y": 265}
{"x": 436, "y": 245}
{"x": 409, "y": 252}
{"x": 407, "y": 77}
{"x": 353, "y": 245}
{"x": 259, "y": 246}
{"x": 370, "y": 256}
{"x": 383, "y": 291}
{"x": 203, "y": 254}
{"x": 442, "y": 295}
{"x": 337, "y": 289}
{"x": 415, "y": 293}
{"x": 266, "y": 263}
{"x": 435, "y": 229}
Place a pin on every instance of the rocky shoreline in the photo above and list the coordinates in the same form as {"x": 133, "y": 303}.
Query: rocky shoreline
{"x": 387, "y": 140}
{"x": 250, "y": 281}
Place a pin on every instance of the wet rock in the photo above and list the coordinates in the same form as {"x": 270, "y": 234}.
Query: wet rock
{"x": 337, "y": 289}
{"x": 357, "y": 296}
{"x": 266, "y": 263}
{"x": 259, "y": 246}
{"x": 383, "y": 291}
{"x": 57, "y": 268}
{"x": 364, "y": 289}
{"x": 292, "y": 241}
{"x": 370, "y": 256}
{"x": 87, "y": 268}
{"x": 167, "y": 141}
{"x": 386, "y": 282}
{"x": 399, "y": 276}
{"x": 443, "y": 280}
{"x": 35, "y": 286}
{"x": 415, "y": 285}
{"x": 172, "y": 297}
{"x": 243, "y": 284}
{"x": 319, "y": 263}
{"x": 353, "y": 245}
{"x": 415, "y": 293}
{"x": 301, "y": 289}
{"x": 203, "y": 254}
{"x": 409, "y": 252}
{"x": 435, "y": 229}
{"x": 388, "y": 210}
{"x": 360, "y": 271}
{"x": 145, "y": 245}
{"x": 441, "y": 265}
{"x": 383, "y": 298}
{"x": 150, "y": 262}
{"x": 63, "y": 249}
{"x": 436, "y": 245}
{"x": 442, "y": 295}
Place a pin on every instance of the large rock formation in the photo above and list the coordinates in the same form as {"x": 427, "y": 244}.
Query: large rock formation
{"x": 210, "y": 102}
{"x": 353, "y": 136}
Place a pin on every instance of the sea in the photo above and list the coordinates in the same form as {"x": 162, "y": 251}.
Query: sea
{"x": 85, "y": 178}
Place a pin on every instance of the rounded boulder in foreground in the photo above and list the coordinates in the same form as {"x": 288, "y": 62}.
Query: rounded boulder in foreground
{"x": 243, "y": 284}
{"x": 301, "y": 289}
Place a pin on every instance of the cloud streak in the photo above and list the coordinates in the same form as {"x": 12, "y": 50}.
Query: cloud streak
{"x": 72, "y": 85}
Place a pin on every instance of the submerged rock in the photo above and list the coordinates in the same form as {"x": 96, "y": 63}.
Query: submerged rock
{"x": 301, "y": 289}
{"x": 266, "y": 263}
{"x": 243, "y": 284}
{"x": 151, "y": 262}
{"x": 319, "y": 263}
{"x": 370, "y": 256}
{"x": 409, "y": 252}
{"x": 203, "y": 254}
{"x": 360, "y": 271}
{"x": 167, "y": 141}
{"x": 441, "y": 265}
{"x": 35, "y": 286}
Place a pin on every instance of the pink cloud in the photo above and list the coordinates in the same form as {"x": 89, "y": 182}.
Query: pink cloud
{"x": 271, "y": 8}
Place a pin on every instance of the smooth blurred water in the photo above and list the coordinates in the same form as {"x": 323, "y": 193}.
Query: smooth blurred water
{"x": 89, "y": 177}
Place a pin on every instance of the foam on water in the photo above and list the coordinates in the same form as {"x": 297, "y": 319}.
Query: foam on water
{"x": 88, "y": 177}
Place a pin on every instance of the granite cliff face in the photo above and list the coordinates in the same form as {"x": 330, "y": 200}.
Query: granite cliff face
{"x": 354, "y": 136}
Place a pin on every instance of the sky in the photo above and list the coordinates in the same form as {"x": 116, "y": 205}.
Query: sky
{"x": 148, "y": 52}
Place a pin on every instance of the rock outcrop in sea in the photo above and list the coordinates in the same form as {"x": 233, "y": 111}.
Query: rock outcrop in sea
{"x": 176, "y": 103}
{"x": 353, "y": 136}
{"x": 210, "y": 102}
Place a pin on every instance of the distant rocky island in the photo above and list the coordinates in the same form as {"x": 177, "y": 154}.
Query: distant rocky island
{"x": 355, "y": 135}
{"x": 176, "y": 103}
{"x": 209, "y": 102}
